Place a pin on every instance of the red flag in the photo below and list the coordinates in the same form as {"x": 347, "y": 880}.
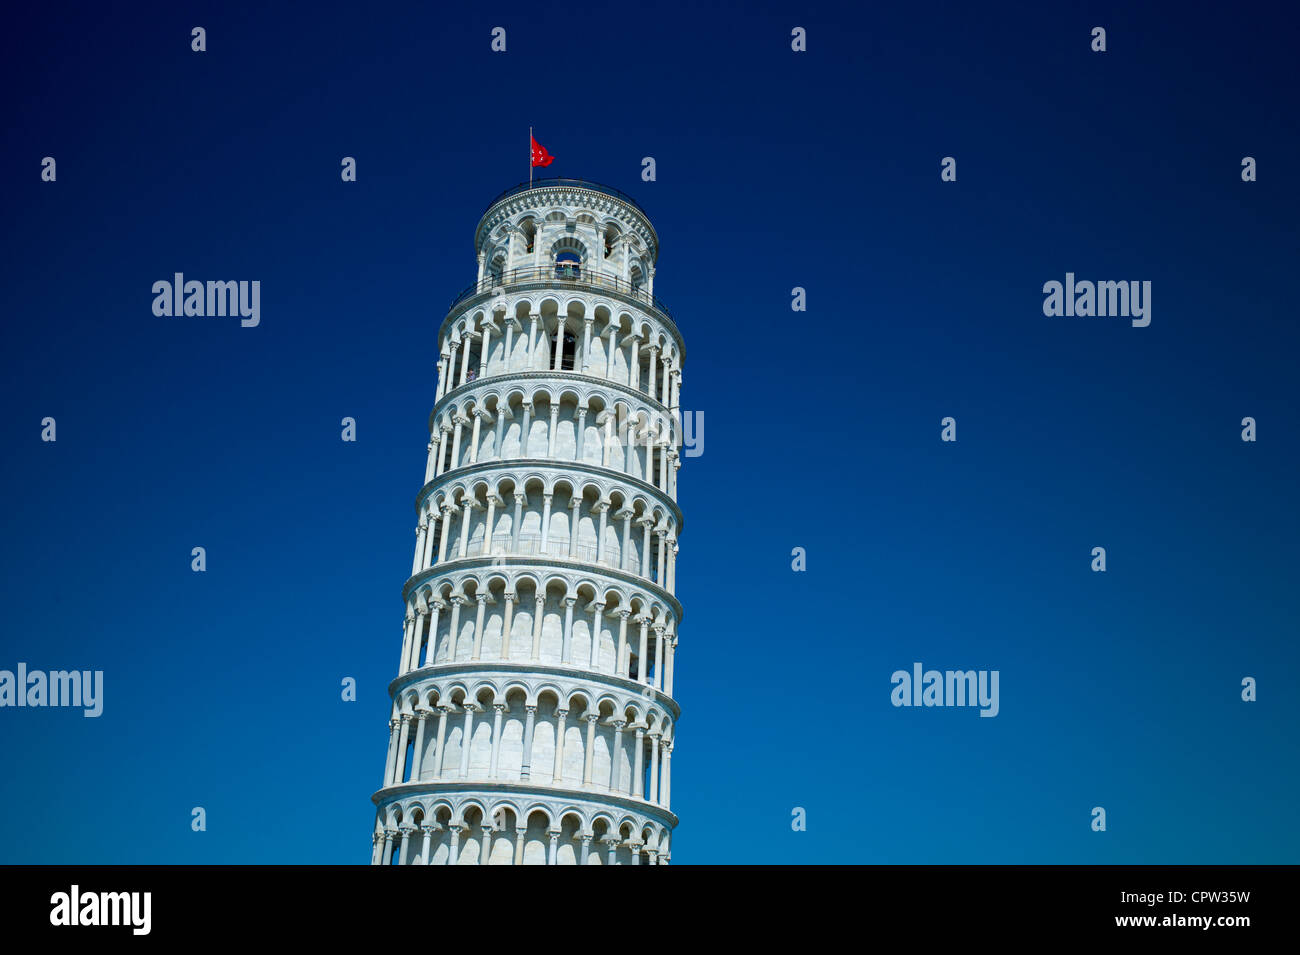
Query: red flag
{"x": 540, "y": 156}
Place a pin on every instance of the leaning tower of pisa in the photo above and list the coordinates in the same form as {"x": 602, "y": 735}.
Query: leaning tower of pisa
{"x": 533, "y": 718}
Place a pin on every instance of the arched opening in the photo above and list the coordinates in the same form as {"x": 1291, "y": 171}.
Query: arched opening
{"x": 569, "y": 355}
{"x": 568, "y": 265}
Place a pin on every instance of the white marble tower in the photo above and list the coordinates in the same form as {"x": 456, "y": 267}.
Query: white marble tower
{"x": 533, "y": 718}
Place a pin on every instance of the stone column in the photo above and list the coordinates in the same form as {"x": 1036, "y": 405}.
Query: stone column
{"x": 427, "y": 852}
{"x": 600, "y": 533}
{"x": 443, "y": 713}
{"x": 451, "y": 366}
{"x": 430, "y": 649}
{"x": 400, "y": 765}
{"x": 659, "y": 658}
{"x": 526, "y": 767}
{"x": 664, "y": 788}
{"x": 552, "y": 433}
{"x": 416, "y": 634}
{"x": 589, "y": 756}
{"x": 525, "y": 425}
{"x": 616, "y": 754}
{"x": 386, "y": 858}
{"x": 430, "y": 462}
{"x": 653, "y": 352}
{"x": 446, "y": 531}
{"x": 442, "y": 450}
{"x": 507, "y": 364}
{"x": 508, "y": 619}
{"x": 620, "y": 661}
{"x": 482, "y": 599}
{"x": 559, "y": 340}
{"x": 646, "y": 522}
{"x": 575, "y": 505}
{"x": 612, "y": 847}
{"x": 407, "y": 637}
{"x": 552, "y": 856}
{"x": 642, "y": 664}
{"x": 453, "y": 833}
{"x": 607, "y": 450}
{"x": 668, "y": 667}
{"x": 586, "y": 342}
{"x": 442, "y": 378}
{"x": 624, "y": 558}
{"x": 470, "y": 708}
{"x": 532, "y": 335}
{"x": 475, "y": 437}
{"x": 597, "y": 608}
{"x": 634, "y": 363}
{"x": 629, "y": 457}
{"x": 492, "y": 501}
{"x": 418, "y": 757}
{"x": 496, "y": 737}
{"x": 391, "y": 762}
{"x": 613, "y": 350}
{"x": 464, "y": 358}
{"x": 520, "y": 500}
{"x": 420, "y": 530}
{"x": 429, "y": 538}
{"x": 460, "y": 421}
{"x": 503, "y": 413}
{"x": 485, "y": 350}
{"x": 638, "y": 763}
{"x": 487, "y": 844}
{"x": 544, "y": 547}
{"x": 581, "y": 435}
{"x": 653, "y": 795}
{"x": 457, "y": 601}
{"x": 560, "y": 714}
{"x": 586, "y": 849}
{"x": 566, "y": 654}
{"x": 537, "y": 628}
{"x": 466, "y": 518}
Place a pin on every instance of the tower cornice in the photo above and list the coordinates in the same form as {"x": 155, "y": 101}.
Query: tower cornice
{"x": 545, "y": 563}
{"x": 548, "y": 193}
{"x": 551, "y": 466}
{"x": 525, "y": 280}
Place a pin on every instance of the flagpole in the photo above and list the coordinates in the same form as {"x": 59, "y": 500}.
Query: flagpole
{"x": 530, "y": 155}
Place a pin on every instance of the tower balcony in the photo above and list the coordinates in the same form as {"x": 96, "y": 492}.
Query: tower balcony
{"x": 562, "y": 275}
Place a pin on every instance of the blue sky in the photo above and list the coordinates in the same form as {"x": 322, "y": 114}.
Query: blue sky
{"x": 774, "y": 170}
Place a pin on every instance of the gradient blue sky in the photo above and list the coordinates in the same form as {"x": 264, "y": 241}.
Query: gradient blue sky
{"x": 775, "y": 169}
